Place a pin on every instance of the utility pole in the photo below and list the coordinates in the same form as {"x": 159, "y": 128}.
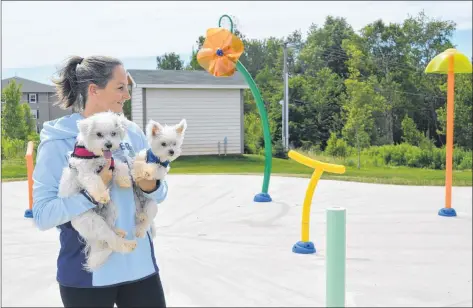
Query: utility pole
{"x": 283, "y": 130}
{"x": 286, "y": 101}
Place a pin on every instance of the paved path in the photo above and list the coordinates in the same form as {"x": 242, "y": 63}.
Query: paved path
{"x": 215, "y": 247}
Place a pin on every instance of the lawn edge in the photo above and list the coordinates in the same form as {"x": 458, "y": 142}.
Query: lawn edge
{"x": 302, "y": 175}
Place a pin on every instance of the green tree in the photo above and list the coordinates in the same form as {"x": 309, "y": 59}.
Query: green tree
{"x": 30, "y": 126}
{"x": 425, "y": 38}
{"x": 254, "y": 142}
{"x": 323, "y": 47}
{"x": 410, "y": 132}
{"x": 13, "y": 121}
{"x": 361, "y": 102}
{"x": 463, "y": 122}
{"x": 169, "y": 61}
{"x": 315, "y": 106}
{"x": 127, "y": 109}
{"x": 193, "y": 64}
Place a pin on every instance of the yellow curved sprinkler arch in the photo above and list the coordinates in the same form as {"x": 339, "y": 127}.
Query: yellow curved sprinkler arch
{"x": 305, "y": 246}
{"x": 449, "y": 62}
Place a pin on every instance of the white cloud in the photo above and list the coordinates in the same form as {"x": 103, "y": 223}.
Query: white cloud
{"x": 38, "y": 33}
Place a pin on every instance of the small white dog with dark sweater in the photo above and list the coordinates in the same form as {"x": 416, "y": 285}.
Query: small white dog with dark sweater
{"x": 153, "y": 164}
{"x": 99, "y": 135}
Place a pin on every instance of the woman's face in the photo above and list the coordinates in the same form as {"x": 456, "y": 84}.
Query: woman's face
{"x": 114, "y": 95}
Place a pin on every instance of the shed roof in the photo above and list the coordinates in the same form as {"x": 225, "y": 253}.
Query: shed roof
{"x": 184, "y": 79}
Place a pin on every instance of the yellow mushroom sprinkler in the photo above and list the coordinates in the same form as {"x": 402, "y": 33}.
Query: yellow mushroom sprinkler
{"x": 449, "y": 62}
{"x": 304, "y": 246}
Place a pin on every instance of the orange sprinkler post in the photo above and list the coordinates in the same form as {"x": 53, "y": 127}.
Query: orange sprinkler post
{"x": 449, "y": 154}
{"x": 449, "y": 62}
{"x": 29, "y": 168}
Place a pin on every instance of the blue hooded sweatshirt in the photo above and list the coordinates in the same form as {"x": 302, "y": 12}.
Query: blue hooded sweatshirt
{"x": 57, "y": 142}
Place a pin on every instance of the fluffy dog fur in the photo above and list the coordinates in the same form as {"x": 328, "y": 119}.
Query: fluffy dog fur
{"x": 165, "y": 144}
{"x": 100, "y": 134}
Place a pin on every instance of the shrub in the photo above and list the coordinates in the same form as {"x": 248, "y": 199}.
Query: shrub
{"x": 350, "y": 162}
{"x": 13, "y": 148}
{"x": 336, "y": 147}
{"x": 412, "y": 157}
{"x": 424, "y": 156}
{"x": 279, "y": 151}
{"x": 466, "y": 163}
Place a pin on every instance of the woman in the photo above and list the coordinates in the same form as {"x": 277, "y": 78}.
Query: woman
{"x": 92, "y": 85}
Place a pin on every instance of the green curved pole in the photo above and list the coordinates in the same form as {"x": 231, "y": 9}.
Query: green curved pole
{"x": 264, "y": 196}
{"x": 264, "y": 122}
{"x": 229, "y": 18}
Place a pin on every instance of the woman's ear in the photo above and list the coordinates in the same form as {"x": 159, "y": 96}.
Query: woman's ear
{"x": 92, "y": 91}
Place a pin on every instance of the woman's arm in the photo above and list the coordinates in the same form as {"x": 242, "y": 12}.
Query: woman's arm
{"x": 156, "y": 190}
{"x": 49, "y": 210}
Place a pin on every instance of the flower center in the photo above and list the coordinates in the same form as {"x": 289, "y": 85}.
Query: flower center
{"x": 219, "y": 52}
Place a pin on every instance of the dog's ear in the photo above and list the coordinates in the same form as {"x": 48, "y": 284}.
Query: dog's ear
{"x": 181, "y": 127}
{"x": 153, "y": 128}
{"x": 121, "y": 123}
{"x": 85, "y": 126}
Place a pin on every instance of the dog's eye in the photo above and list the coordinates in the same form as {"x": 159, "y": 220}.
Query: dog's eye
{"x": 99, "y": 135}
{"x": 163, "y": 144}
{"x": 113, "y": 134}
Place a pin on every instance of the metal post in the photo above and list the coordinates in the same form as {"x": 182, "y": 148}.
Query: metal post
{"x": 283, "y": 110}
{"x": 286, "y": 100}
{"x": 335, "y": 257}
{"x": 225, "y": 141}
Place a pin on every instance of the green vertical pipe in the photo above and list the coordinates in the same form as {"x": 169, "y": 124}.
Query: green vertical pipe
{"x": 265, "y": 123}
{"x": 262, "y": 112}
{"x": 335, "y": 257}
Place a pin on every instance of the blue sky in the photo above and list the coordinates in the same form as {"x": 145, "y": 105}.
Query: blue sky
{"x": 463, "y": 40}
{"x": 44, "y": 73}
{"x": 138, "y": 31}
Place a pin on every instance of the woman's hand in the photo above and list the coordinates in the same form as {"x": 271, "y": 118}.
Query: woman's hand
{"x": 106, "y": 174}
{"x": 147, "y": 185}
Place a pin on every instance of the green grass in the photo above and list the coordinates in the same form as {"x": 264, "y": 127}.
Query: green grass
{"x": 13, "y": 169}
{"x": 253, "y": 164}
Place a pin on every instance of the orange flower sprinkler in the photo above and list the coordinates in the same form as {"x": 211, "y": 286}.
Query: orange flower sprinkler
{"x": 449, "y": 62}
{"x": 219, "y": 56}
{"x": 220, "y": 52}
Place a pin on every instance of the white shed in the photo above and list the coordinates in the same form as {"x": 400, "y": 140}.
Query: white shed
{"x": 213, "y": 107}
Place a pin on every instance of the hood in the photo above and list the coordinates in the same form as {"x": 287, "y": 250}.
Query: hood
{"x": 62, "y": 128}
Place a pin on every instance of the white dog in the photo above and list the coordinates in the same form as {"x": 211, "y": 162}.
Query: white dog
{"x": 98, "y": 136}
{"x": 153, "y": 164}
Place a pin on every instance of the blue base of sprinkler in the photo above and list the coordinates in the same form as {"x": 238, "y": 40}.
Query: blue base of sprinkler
{"x": 303, "y": 247}
{"x": 447, "y": 212}
{"x": 263, "y": 197}
{"x": 28, "y": 213}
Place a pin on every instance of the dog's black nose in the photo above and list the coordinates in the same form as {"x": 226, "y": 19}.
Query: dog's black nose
{"x": 171, "y": 152}
{"x": 108, "y": 145}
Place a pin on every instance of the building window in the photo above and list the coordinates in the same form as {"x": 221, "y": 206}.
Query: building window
{"x": 32, "y": 98}
{"x": 34, "y": 113}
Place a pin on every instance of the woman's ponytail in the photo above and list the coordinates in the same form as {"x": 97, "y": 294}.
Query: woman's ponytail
{"x": 67, "y": 85}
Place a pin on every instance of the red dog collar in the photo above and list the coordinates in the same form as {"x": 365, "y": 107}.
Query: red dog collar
{"x": 81, "y": 152}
